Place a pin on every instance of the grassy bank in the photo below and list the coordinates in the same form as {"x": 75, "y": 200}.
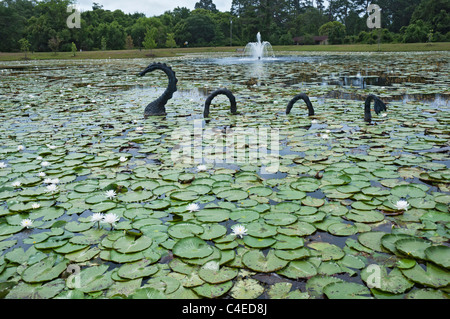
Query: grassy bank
{"x": 129, "y": 54}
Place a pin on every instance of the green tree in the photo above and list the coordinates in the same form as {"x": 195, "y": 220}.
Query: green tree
{"x": 434, "y": 12}
{"x": 54, "y": 43}
{"x": 149, "y": 42}
{"x": 24, "y": 46}
{"x": 170, "y": 42}
{"x": 129, "y": 42}
{"x": 416, "y": 32}
{"x": 207, "y": 5}
{"x": 74, "y": 49}
{"x": 334, "y": 30}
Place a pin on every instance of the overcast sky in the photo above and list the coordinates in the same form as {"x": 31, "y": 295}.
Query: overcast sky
{"x": 148, "y": 7}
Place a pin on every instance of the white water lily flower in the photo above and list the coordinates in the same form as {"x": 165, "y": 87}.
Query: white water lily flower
{"x": 314, "y": 122}
{"x": 383, "y": 114}
{"x": 45, "y": 164}
{"x": 97, "y": 217}
{"x": 52, "y": 188}
{"x": 20, "y": 148}
{"x": 16, "y": 184}
{"x": 27, "y": 223}
{"x": 54, "y": 181}
{"x": 325, "y": 136}
{"x": 193, "y": 207}
{"x": 110, "y": 194}
{"x": 239, "y": 230}
{"x": 402, "y": 205}
{"x": 39, "y": 158}
{"x": 41, "y": 174}
{"x": 47, "y": 181}
{"x": 52, "y": 147}
{"x": 111, "y": 219}
{"x": 35, "y": 205}
{"x": 3, "y": 164}
{"x": 123, "y": 159}
{"x": 201, "y": 168}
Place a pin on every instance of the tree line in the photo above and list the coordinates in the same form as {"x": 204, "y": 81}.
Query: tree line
{"x": 41, "y": 25}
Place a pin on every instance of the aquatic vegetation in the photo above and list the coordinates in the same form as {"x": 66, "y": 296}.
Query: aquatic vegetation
{"x": 258, "y": 205}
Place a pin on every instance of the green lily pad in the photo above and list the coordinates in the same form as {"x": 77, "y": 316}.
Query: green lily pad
{"x": 414, "y": 247}
{"x": 440, "y": 255}
{"x": 212, "y": 273}
{"x": 405, "y": 191}
{"x": 129, "y": 244}
{"x": 244, "y": 215}
{"x": 213, "y": 215}
{"x": 184, "y": 230}
{"x": 285, "y": 207}
{"x": 211, "y": 291}
{"x": 315, "y": 285}
{"x": 297, "y": 229}
{"x": 372, "y": 240}
{"x": 364, "y": 216}
{"x": 433, "y": 276}
{"x": 257, "y": 261}
{"x": 83, "y": 255}
{"x": 260, "y": 191}
{"x": 185, "y": 196}
{"x": 291, "y": 194}
{"x": 328, "y": 251}
{"x": 256, "y": 242}
{"x": 394, "y": 282}
{"x": 233, "y": 195}
{"x": 346, "y": 290}
{"x": 297, "y": 269}
{"x": 261, "y": 230}
{"x": 137, "y": 269}
{"x": 137, "y": 196}
{"x": 36, "y": 291}
{"x": 293, "y": 254}
{"x": 95, "y": 278}
{"x": 279, "y": 219}
{"x": 45, "y": 270}
{"x": 341, "y": 229}
{"x": 246, "y": 289}
{"x": 192, "y": 247}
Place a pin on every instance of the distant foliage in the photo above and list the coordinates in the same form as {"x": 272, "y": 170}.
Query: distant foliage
{"x": 44, "y": 22}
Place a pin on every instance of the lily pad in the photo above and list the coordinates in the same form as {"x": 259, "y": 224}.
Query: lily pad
{"x": 394, "y": 282}
{"x": 246, "y": 289}
{"x": 137, "y": 269}
{"x": 192, "y": 247}
{"x": 440, "y": 255}
{"x": 257, "y": 261}
{"x": 346, "y": 290}
{"x": 213, "y": 273}
{"x": 45, "y": 270}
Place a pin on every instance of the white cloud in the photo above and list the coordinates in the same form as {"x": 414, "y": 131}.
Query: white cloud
{"x": 148, "y": 7}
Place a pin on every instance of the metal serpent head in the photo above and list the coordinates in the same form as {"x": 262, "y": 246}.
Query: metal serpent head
{"x": 157, "y": 107}
{"x": 379, "y": 107}
{"x": 226, "y": 92}
{"x": 304, "y": 97}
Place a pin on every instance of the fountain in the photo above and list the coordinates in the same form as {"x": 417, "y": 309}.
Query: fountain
{"x": 258, "y": 50}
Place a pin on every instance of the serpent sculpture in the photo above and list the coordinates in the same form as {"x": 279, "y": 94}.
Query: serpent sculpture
{"x": 379, "y": 106}
{"x": 303, "y": 97}
{"x": 157, "y": 107}
{"x": 226, "y": 92}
